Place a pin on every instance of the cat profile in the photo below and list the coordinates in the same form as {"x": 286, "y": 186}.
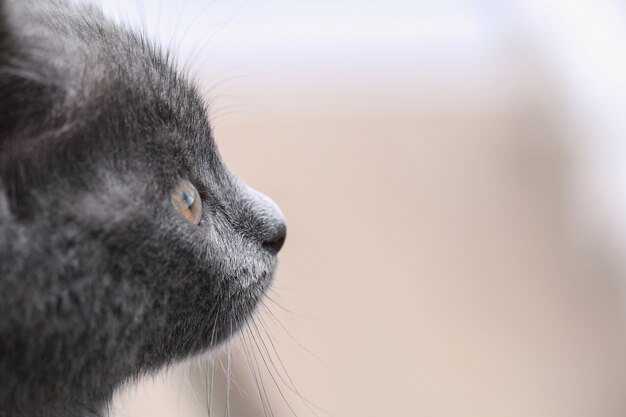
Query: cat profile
{"x": 125, "y": 242}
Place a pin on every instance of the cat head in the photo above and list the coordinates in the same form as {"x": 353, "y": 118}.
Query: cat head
{"x": 125, "y": 242}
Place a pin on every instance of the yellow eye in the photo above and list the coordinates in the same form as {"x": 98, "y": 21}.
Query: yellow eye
{"x": 186, "y": 201}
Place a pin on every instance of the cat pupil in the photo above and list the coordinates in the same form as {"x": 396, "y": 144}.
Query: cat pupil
{"x": 187, "y": 199}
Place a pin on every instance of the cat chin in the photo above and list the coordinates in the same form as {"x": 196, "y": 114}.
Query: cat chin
{"x": 244, "y": 300}
{"x": 253, "y": 293}
{"x": 257, "y": 285}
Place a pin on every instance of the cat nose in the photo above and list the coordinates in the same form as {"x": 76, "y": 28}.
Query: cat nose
{"x": 268, "y": 222}
{"x": 277, "y": 240}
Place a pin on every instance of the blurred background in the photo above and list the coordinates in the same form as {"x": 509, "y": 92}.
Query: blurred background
{"x": 453, "y": 173}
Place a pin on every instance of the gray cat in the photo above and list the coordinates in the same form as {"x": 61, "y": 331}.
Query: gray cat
{"x": 125, "y": 243}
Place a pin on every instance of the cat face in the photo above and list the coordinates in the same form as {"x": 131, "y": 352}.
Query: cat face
{"x": 125, "y": 242}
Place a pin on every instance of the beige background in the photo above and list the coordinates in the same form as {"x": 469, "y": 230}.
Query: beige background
{"x": 445, "y": 256}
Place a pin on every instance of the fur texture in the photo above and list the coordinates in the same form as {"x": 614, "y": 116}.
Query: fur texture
{"x": 101, "y": 280}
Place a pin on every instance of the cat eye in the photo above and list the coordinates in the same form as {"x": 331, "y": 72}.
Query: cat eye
{"x": 186, "y": 200}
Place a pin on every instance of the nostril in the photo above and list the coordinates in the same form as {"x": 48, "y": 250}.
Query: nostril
{"x": 276, "y": 242}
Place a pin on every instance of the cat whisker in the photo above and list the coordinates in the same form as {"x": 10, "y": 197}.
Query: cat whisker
{"x": 212, "y": 365}
{"x": 204, "y": 42}
{"x": 211, "y": 97}
{"x": 214, "y": 118}
{"x": 179, "y": 16}
{"x": 291, "y": 336}
{"x": 229, "y": 373}
{"x": 277, "y": 285}
{"x": 277, "y": 304}
{"x": 188, "y": 373}
{"x": 290, "y": 384}
{"x": 200, "y": 15}
{"x": 142, "y": 17}
{"x": 206, "y": 371}
{"x": 158, "y": 19}
{"x": 210, "y": 90}
{"x": 270, "y": 372}
{"x": 256, "y": 374}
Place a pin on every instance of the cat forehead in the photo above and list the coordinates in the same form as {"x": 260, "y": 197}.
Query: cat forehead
{"x": 90, "y": 69}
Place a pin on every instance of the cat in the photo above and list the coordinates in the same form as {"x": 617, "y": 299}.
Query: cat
{"x": 125, "y": 242}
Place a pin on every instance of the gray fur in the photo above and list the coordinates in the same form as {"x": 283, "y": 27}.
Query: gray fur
{"x": 101, "y": 280}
